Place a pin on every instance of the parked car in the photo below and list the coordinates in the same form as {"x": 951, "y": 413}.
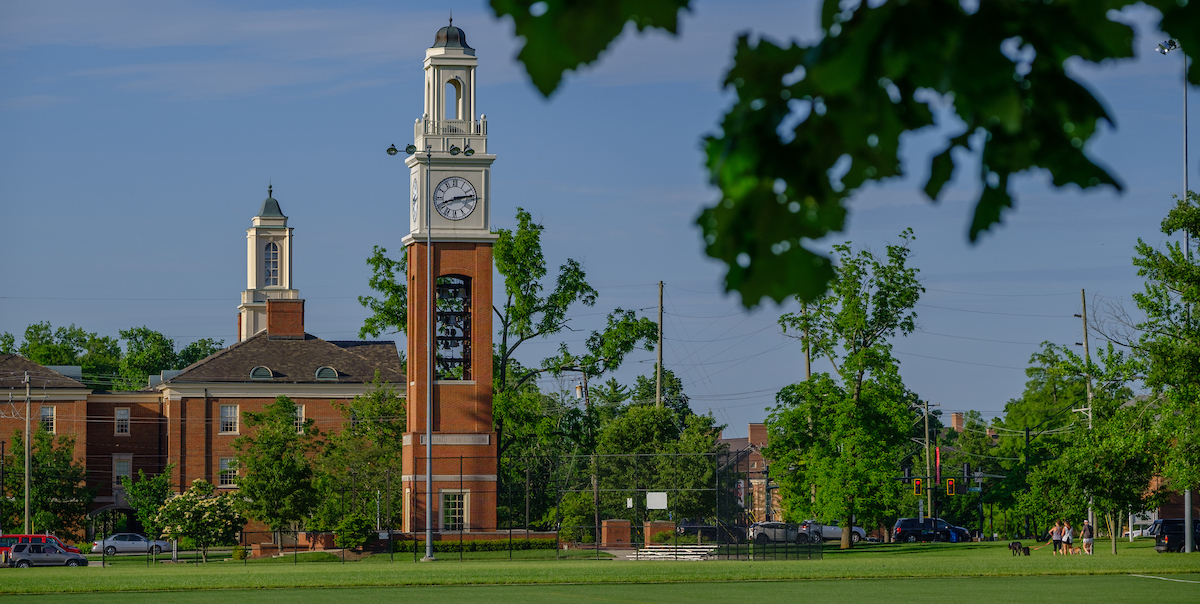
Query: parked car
{"x": 774, "y": 532}
{"x": 1142, "y": 532}
{"x": 7, "y": 541}
{"x": 912, "y": 530}
{"x": 129, "y": 543}
{"x": 722, "y": 532}
{"x": 24, "y": 555}
{"x": 818, "y": 532}
{"x": 1170, "y": 538}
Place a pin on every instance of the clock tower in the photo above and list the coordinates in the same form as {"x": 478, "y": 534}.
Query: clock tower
{"x": 451, "y": 484}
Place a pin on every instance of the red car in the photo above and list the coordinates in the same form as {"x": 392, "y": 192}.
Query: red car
{"x": 7, "y": 541}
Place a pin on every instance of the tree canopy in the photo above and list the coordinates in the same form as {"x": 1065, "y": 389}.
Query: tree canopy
{"x": 879, "y": 71}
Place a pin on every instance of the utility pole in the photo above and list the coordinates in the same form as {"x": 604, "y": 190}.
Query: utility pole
{"x": 658, "y": 383}
{"x": 1027, "y": 477}
{"x": 2, "y": 443}
{"x": 928, "y": 470}
{"x": 28, "y": 456}
{"x": 808, "y": 350}
{"x": 431, "y": 353}
{"x": 1087, "y": 356}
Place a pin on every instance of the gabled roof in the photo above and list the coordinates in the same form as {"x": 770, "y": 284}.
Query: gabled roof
{"x": 14, "y": 366}
{"x": 296, "y": 362}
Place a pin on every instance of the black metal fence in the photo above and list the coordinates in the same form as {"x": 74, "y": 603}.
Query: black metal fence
{"x": 655, "y": 506}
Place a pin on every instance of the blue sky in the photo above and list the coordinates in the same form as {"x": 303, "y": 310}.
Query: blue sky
{"x": 137, "y": 139}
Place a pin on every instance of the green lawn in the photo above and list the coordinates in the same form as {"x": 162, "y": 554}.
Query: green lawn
{"x": 987, "y": 564}
{"x": 1112, "y": 589}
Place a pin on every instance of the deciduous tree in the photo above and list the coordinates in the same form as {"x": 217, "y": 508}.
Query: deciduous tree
{"x": 275, "y": 474}
{"x": 841, "y": 434}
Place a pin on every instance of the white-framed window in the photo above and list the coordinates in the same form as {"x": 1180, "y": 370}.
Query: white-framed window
{"x": 229, "y": 419}
{"x": 271, "y": 264}
{"x": 299, "y": 419}
{"x": 455, "y": 509}
{"x": 122, "y": 465}
{"x": 227, "y": 472}
{"x": 48, "y": 415}
{"x": 121, "y": 421}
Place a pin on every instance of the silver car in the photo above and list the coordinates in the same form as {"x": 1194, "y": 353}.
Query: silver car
{"x": 818, "y": 532}
{"x": 774, "y": 532}
{"x": 24, "y": 555}
{"x": 129, "y": 543}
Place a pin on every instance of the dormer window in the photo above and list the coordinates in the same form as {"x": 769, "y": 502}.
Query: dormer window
{"x": 327, "y": 374}
{"x": 261, "y": 373}
{"x": 271, "y": 264}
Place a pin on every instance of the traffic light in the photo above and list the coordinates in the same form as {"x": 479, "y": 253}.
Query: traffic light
{"x": 966, "y": 470}
{"x": 950, "y": 487}
{"x": 917, "y": 489}
{"x": 907, "y": 475}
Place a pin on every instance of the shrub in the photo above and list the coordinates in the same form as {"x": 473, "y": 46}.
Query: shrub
{"x": 491, "y": 545}
{"x": 663, "y": 537}
{"x": 239, "y": 553}
{"x": 351, "y": 531}
{"x": 84, "y": 548}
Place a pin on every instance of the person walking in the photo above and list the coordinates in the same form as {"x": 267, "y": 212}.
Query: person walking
{"x": 1085, "y": 533}
{"x": 1067, "y": 535}
{"x": 1055, "y": 538}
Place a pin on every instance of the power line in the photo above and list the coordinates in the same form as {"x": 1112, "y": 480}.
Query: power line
{"x": 988, "y": 312}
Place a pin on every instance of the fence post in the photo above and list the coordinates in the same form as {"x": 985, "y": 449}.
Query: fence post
{"x": 391, "y": 547}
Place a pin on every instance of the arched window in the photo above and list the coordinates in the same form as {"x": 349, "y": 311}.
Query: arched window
{"x": 453, "y": 328}
{"x": 326, "y": 374}
{"x": 271, "y": 264}
{"x": 261, "y": 373}
{"x": 453, "y": 101}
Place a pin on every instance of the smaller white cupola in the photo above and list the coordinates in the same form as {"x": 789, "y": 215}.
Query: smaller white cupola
{"x": 268, "y": 266}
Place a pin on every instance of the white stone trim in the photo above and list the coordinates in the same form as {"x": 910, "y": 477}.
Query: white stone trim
{"x": 450, "y": 478}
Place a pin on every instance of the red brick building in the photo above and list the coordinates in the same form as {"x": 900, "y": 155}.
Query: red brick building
{"x": 191, "y": 417}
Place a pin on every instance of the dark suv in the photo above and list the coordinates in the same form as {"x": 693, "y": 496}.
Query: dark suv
{"x": 912, "y": 530}
{"x": 1169, "y": 537}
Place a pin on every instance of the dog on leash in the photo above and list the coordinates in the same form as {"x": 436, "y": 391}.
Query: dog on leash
{"x": 1018, "y": 549}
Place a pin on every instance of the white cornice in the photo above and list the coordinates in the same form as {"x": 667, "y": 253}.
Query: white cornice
{"x": 174, "y": 391}
{"x": 48, "y": 394}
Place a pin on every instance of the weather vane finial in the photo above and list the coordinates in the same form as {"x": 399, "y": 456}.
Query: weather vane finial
{"x": 269, "y": 187}
{"x": 451, "y": 17}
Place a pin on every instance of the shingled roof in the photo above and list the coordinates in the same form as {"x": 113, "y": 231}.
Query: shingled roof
{"x": 14, "y": 366}
{"x": 296, "y": 362}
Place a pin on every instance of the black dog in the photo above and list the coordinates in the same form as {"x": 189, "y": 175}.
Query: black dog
{"x": 1018, "y": 549}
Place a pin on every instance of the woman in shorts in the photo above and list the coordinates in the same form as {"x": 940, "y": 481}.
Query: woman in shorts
{"x": 1055, "y": 537}
{"x": 1066, "y": 538}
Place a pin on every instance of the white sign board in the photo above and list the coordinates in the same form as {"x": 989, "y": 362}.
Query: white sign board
{"x": 656, "y": 501}
{"x": 629, "y": 502}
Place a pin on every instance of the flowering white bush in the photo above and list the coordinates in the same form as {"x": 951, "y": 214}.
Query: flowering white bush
{"x": 199, "y": 514}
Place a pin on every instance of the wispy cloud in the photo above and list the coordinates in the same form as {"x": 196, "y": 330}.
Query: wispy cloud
{"x": 211, "y": 50}
{"x": 35, "y": 101}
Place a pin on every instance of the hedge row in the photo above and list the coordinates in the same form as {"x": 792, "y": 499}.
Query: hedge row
{"x": 488, "y": 545}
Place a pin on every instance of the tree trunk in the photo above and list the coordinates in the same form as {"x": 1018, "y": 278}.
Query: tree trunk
{"x": 1112, "y": 532}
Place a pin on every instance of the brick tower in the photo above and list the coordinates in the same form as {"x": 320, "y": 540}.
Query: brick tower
{"x": 450, "y": 251}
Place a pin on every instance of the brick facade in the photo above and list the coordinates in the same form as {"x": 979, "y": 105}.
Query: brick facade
{"x": 465, "y": 451}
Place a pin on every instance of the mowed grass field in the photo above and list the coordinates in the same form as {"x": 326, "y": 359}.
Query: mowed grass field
{"x": 896, "y": 572}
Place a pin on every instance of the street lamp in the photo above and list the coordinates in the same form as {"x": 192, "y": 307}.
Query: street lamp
{"x": 1164, "y": 48}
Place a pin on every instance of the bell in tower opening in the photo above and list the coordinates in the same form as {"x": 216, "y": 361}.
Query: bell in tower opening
{"x": 453, "y": 328}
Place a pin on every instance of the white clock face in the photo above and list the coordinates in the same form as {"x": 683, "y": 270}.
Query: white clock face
{"x": 413, "y": 205}
{"x": 455, "y": 198}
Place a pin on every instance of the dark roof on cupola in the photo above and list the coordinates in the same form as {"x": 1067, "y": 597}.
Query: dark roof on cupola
{"x": 450, "y": 37}
{"x": 270, "y": 207}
